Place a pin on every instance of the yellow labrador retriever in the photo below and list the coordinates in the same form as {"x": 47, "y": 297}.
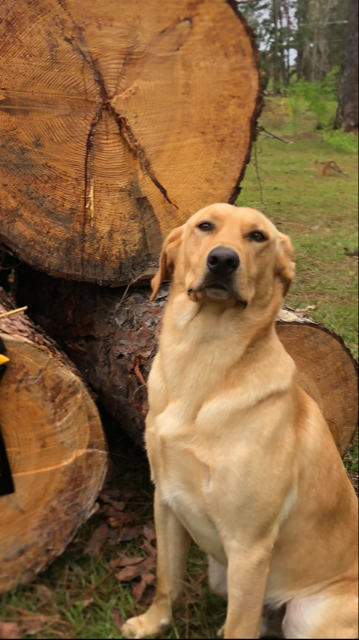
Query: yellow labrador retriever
{"x": 242, "y": 459}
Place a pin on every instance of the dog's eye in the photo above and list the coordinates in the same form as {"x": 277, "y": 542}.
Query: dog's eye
{"x": 205, "y": 226}
{"x": 257, "y": 236}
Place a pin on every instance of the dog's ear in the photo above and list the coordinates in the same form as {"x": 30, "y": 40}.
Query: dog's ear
{"x": 167, "y": 260}
{"x": 285, "y": 263}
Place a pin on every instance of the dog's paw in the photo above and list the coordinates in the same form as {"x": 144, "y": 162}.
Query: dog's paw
{"x": 220, "y": 632}
{"x": 143, "y": 627}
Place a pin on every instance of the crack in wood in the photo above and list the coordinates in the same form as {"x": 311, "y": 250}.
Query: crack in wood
{"x": 138, "y": 151}
{"x": 104, "y": 102}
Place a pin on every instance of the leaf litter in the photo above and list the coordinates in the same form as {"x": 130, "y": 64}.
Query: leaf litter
{"x": 118, "y": 527}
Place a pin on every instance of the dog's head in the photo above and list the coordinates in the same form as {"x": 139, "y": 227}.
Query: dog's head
{"x": 226, "y": 253}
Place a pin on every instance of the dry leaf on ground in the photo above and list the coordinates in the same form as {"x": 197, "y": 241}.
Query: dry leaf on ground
{"x": 135, "y": 570}
{"x": 32, "y": 626}
{"x": 150, "y": 550}
{"x": 45, "y": 593}
{"x": 131, "y": 534}
{"x": 117, "y": 618}
{"x": 128, "y": 492}
{"x": 150, "y": 532}
{"x": 123, "y": 561}
{"x": 138, "y": 589}
{"x": 117, "y": 520}
{"x": 97, "y": 540}
{"x": 9, "y": 631}
{"x": 86, "y": 602}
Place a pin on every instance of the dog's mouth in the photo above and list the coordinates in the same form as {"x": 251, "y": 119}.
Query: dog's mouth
{"x": 217, "y": 286}
{"x": 215, "y": 289}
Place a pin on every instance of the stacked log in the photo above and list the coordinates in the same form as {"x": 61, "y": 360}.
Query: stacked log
{"x": 111, "y": 335}
{"x": 55, "y": 447}
{"x": 118, "y": 121}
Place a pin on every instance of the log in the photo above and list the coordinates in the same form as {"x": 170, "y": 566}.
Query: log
{"x": 111, "y": 335}
{"x": 55, "y": 448}
{"x": 119, "y": 120}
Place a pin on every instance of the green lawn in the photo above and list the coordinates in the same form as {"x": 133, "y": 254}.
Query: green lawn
{"x": 78, "y": 595}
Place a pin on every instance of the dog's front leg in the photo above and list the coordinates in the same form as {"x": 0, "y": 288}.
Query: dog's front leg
{"x": 248, "y": 570}
{"x": 172, "y": 549}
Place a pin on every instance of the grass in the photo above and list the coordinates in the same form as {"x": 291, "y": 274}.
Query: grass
{"x": 77, "y": 596}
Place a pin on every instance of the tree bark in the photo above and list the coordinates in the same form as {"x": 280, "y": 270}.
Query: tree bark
{"x": 112, "y": 338}
{"x": 276, "y": 43}
{"x": 55, "y": 448}
{"x": 348, "y": 99}
{"x": 118, "y": 120}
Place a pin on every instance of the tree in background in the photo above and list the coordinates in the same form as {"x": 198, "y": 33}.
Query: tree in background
{"x": 348, "y": 96}
{"x": 314, "y": 29}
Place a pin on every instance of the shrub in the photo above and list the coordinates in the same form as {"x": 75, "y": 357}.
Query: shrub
{"x": 341, "y": 141}
{"x": 317, "y": 97}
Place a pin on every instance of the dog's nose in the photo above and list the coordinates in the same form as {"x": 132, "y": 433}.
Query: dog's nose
{"x": 222, "y": 261}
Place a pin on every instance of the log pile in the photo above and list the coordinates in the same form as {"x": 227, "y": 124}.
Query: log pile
{"x": 118, "y": 120}
{"x": 112, "y": 339}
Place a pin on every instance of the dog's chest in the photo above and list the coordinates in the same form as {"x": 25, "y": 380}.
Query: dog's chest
{"x": 185, "y": 483}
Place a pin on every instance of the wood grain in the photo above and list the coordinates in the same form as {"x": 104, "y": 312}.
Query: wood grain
{"x": 118, "y": 120}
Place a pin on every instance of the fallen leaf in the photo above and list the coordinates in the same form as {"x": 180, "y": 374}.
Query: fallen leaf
{"x": 138, "y": 590}
{"x": 115, "y": 513}
{"x": 134, "y": 571}
{"x": 114, "y": 493}
{"x": 127, "y": 562}
{"x": 97, "y": 540}
{"x": 117, "y": 618}
{"x": 32, "y": 625}
{"x": 131, "y": 534}
{"x": 117, "y": 521}
{"x": 150, "y": 532}
{"x": 150, "y": 550}
{"x": 114, "y": 536}
{"x": 128, "y": 492}
{"x": 9, "y": 631}
{"x": 104, "y": 497}
{"x": 86, "y": 602}
{"x": 118, "y": 506}
{"x": 45, "y": 593}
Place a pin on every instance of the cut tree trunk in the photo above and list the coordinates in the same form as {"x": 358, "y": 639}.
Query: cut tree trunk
{"x": 348, "y": 98}
{"x": 55, "y": 448}
{"x": 112, "y": 339}
{"x": 119, "y": 120}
